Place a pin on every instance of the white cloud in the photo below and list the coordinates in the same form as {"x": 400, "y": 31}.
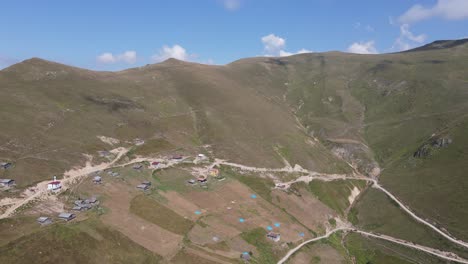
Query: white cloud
{"x": 274, "y": 46}
{"x": 406, "y": 33}
{"x": 106, "y": 58}
{"x": 363, "y": 47}
{"x": 176, "y": 52}
{"x": 447, "y": 9}
{"x": 129, "y": 57}
{"x": 407, "y": 40}
{"x": 231, "y": 5}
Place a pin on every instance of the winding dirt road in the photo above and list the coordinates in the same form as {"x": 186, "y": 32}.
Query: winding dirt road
{"x": 441, "y": 254}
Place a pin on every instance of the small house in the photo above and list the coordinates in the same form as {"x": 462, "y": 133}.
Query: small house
{"x": 97, "y": 179}
{"x": 6, "y": 165}
{"x": 274, "y": 236}
{"x": 7, "y": 182}
{"x": 139, "y": 142}
{"x": 146, "y": 183}
{"x": 78, "y": 202}
{"x": 66, "y": 216}
{"x": 155, "y": 163}
{"x": 91, "y": 200}
{"x": 137, "y": 166}
{"x": 191, "y": 181}
{"x": 43, "y": 220}
{"x": 104, "y": 153}
{"x": 78, "y": 208}
{"x": 54, "y": 185}
{"x": 113, "y": 174}
{"x": 143, "y": 187}
{"x": 201, "y": 179}
{"x": 177, "y": 157}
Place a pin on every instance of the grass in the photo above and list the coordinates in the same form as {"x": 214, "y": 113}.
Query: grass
{"x": 373, "y": 251}
{"x": 377, "y": 213}
{"x": 260, "y": 186}
{"x": 257, "y": 238}
{"x": 335, "y": 194}
{"x": 98, "y": 244}
{"x": 150, "y": 147}
{"x": 183, "y": 257}
{"x": 156, "y": 213}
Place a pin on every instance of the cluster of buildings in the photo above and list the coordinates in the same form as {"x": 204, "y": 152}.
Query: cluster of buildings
{"x": 85, "y": 205}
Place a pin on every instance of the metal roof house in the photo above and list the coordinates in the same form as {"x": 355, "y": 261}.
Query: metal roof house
{"x": 191, "y": 181}
{"x": 91, "y": 200}
{"x": 137, "y": 166}
{"x": 6, "y": 165}
{"x": 66, "y": 216}
{"x": 143, "y": 187}
{"x": 97, "y": 179}
{"x": 274, "y": 236}
{"x": 44, "y": 220}
{"x": 146, "y": 183}
{"x": 7, "y": 182}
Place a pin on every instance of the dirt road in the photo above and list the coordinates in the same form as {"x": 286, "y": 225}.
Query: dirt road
{"x": 441, "y": 254}
{"x": 70, "y": 177}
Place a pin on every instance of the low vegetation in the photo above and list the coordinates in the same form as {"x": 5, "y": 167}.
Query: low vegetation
{"x": 257, "y": 237}
{"x": 335, "y": 193}
{"x": 69, "y": 244}
{"x": 154, "y": 212}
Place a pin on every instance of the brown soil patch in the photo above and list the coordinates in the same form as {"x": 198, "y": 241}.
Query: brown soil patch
{"x": 318, "y": 253}
{"x": 148, "y": 235}
{"x": 305, "y": 208}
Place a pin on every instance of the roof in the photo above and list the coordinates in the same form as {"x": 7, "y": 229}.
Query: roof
{"x": 6, "y": 180}
{"x": 43, "y": 219}
{"x": 54, "y": 182}
{"x": 155, "y": 163}
{"x": 142, "y": 186}
{"x": 274, "y": 235}
{"x": 66, "y": 215}
{"x": 146, "y": 183}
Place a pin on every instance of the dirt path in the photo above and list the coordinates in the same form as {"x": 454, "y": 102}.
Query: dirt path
{"x": 419, "y": 219}
{"x": 70, "y": 177}
{"x": 441, "y": 254}
{"x": 330, "y": 177}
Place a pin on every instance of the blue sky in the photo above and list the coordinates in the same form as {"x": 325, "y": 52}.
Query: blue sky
{"x": 113, "y": 35}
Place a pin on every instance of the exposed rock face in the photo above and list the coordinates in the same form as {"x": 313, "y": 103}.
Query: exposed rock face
{"x": 435, "y": 143}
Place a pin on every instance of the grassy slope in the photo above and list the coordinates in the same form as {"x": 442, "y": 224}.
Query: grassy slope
{"x": 84, "y": 242}
{"x": 156, "y": 213}
{"x": 335, "y": 194}
{"x": 368, "y": 251}
{"x": 377, "y": 213}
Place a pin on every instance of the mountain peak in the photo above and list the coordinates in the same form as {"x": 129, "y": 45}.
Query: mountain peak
{"x": 441, "y": 44}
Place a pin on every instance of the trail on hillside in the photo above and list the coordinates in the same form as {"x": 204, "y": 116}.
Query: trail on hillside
{"x": 441, "y": 254}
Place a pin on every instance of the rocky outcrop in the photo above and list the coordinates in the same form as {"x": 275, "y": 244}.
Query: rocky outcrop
{"x": 435, "y": 143}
